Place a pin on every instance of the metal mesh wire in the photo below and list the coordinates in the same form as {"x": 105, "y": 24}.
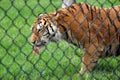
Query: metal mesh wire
{"x": 57, "y": 61}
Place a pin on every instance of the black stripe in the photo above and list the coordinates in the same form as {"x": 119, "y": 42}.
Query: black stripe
{"x": 45, "y": 21}
{"x": 51, "y": 28}
{"x": 81, "y": 8}
{"x": 32, "y": 29}
{"x": 89, "y": 32}
{"x": 109, "y": 31}
{"x": 87, "y": 6}
{"x": 95, "y": 8}
{"x": 112, "y": 22}
{"x": 45, "y": 34}
{"x": 99, "y": 14}
{"x": 118, "y": 17}
{"x": 72, "y": 7}
{"x": 65, "y": 31}
{"x": 88, "y": 12}
{"x": 48, "y": 30}
{"x": 39, "y": 22}
{"x": 91, "y": 13}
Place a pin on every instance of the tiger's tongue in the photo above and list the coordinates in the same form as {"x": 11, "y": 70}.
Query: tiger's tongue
{"x": 36, "y": 50}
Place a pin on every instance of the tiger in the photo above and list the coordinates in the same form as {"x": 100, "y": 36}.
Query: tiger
{"x": 96, "y": 30}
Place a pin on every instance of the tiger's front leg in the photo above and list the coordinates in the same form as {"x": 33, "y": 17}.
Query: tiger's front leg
{"x": 89, "y": 59}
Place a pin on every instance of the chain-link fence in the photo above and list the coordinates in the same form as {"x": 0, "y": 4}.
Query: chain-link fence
{"x": 57, "y": 61}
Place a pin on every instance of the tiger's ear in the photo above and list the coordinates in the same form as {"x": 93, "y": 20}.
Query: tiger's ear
{"x": 40, "y": 15}
{"x": 56, "y": 15}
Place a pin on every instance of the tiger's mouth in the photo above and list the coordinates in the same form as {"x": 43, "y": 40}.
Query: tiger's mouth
{"x": 36, "y": 48}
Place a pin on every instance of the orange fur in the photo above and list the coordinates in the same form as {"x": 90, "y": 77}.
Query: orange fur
{"x": 94, "y": 28}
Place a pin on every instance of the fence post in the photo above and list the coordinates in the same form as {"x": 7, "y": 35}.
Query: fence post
{"x": 66, "y": 3}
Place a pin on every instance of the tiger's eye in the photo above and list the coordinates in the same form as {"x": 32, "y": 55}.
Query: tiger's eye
{"x": 39, "y": 27}
{"x": 38, "y": 30}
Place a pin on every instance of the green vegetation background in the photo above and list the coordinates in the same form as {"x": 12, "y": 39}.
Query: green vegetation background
{"x": 56, "y": 61}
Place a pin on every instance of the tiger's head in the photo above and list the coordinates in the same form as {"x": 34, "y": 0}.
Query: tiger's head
{"x": 44, "y": 29}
